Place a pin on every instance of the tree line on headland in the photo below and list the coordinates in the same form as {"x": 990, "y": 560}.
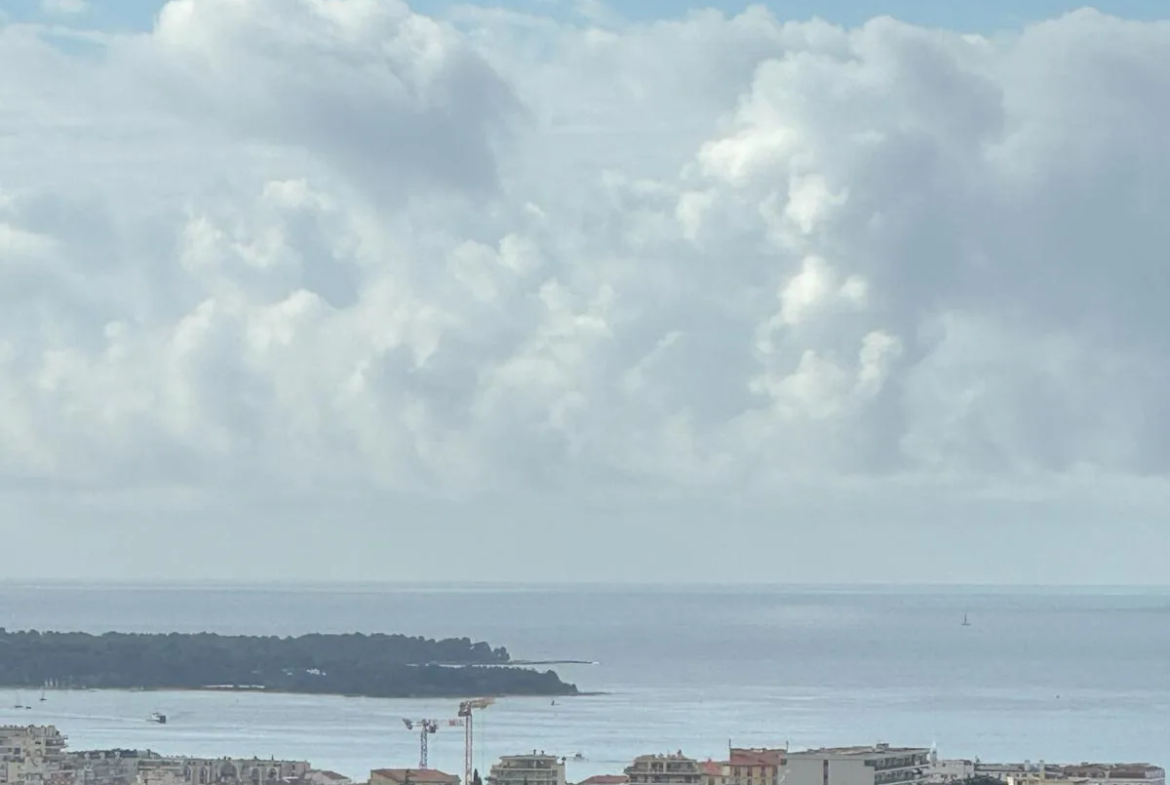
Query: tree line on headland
{"x": 376, "y": 666}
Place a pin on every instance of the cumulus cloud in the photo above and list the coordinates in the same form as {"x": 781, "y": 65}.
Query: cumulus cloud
{"x": 336, "y": 243}
{"x": 394, "y": 100}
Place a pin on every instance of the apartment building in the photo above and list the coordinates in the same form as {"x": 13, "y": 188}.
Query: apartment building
{"x": 412, "y": 777}
{"x": 1033, "y": 773}
{"x": 943, "y": 771}
{"x": 1006, "y": 771}
{"x": 674, "y": 769}
{"x": 714, "y": 772}
{"x": 159, "y": 777}
{"x": 535, "y": 769}
{"x": 1078, "y": 774}
{"x": 1115, "y": 773}
{"x": 154, "y": 769}
{"x": 754, "y": 766}
{"x": 326, "y": 777}
{"x": 879, "y": 764}
{"x": 30, "y": 754}
{"x": 105, "y": 767}
{"x": 605, "y": 779}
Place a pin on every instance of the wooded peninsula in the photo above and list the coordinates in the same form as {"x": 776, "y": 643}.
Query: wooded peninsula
{"x": 375, "y": 666}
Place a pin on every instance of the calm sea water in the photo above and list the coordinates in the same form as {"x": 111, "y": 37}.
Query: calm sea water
{"x": 1051, "y": 675}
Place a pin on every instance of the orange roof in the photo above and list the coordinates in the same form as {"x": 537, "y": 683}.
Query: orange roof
{"x": 756, "y": 757}
{"x": 606, "y": 779}
{"x": 712, "y": 768}
{"x": 415, "y": 775}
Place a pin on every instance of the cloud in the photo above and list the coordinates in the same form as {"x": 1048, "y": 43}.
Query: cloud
{"x": 394, "y": 101}
{"x": 348, "y": 249}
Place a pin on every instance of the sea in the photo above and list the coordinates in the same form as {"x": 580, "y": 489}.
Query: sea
{"x": 1060, "y": 675}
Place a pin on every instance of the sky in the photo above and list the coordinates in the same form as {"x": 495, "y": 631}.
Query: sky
{"x": 359, "y": 290}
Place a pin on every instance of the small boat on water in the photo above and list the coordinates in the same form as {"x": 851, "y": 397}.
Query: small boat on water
{"x": 159, "y": 717}
{"x": 965, "y": 622}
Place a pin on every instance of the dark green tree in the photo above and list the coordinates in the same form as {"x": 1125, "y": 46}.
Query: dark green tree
{"x": 383, "y": 666}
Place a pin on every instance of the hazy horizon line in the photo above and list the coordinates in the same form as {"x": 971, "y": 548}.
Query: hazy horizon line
{"x": 310, "y": 585}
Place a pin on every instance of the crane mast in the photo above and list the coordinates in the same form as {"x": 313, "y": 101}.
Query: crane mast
{"x": 425, "y": 729}
{"x": 466, "y": 713}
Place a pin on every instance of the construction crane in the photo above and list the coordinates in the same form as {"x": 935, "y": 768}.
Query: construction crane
{"x": 465, "y": 713}
{"x": 425, "y": 729}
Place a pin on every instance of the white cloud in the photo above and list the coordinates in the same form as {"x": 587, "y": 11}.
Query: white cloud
{"x": 334, "y": 248}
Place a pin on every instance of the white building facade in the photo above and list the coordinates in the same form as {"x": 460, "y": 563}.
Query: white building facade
{"x": 949, "y": 770}
{"x": 30, "y": 753}
{"x": 674, "y": 769}
{"x": 535, "y": 769}
{"x": 879, "y": 764}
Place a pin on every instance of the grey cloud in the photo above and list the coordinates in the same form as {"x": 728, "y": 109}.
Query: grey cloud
{"x": 393, "y": 100}
{"x": 875, "y": 253}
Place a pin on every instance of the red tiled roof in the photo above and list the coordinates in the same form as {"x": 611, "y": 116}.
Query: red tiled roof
{"x": 415, "y": 775}
{"x": 606, "y": 779}
{"x": 712, "y": 768}
{"x": 1113, "y": 771}
{"x": 746, "y": 757}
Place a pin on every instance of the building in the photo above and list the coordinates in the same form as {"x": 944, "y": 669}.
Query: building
{"x": 412, "y": 777}
{"x": 1029, "y": 773}
{"x": 605, "y": 779}
{"x": 1076, "y": 774}
{"x": 755, "y": 766}
{"x": 1005, "y": 771}
{"x": 1115, "y": 773}
{"x": 535, "y": 769}
{"x": 940, "y": 772}
{"x": 30, "y": 754}
{"x": 160, "y": 777}
{"x": 325, "y": 777}
{"x": 144, "y": 767}
{"x": 676, "y": 769}
{"x": 37, "y": 755}
{"x": 879, "y": 764}
{"x": 714, "y": 772}
{"x": 165, "y": 770}
{"x": 105, "y": 767}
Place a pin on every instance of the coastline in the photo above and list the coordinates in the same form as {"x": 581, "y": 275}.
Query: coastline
{"x": 377, "y": 665}
{"x": 267, "y": 691}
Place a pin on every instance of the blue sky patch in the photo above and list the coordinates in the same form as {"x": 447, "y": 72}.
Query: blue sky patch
{"x": 982, "y": 16}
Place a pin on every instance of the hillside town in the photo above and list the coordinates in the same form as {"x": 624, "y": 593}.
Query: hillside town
{"x": 38, "y": 755}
